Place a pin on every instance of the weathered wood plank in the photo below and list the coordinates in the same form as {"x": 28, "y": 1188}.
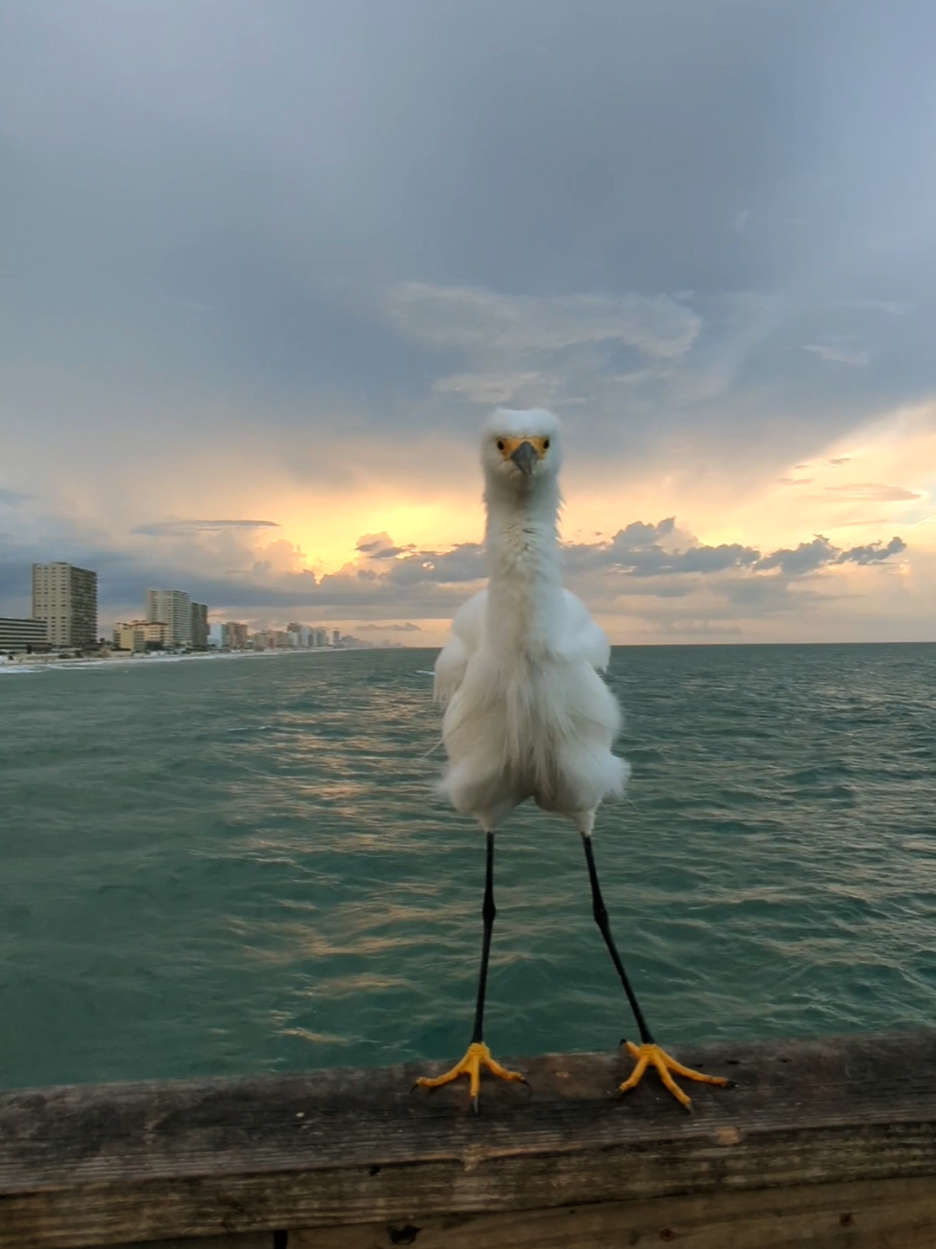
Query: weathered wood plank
{"x": 240, "y": 1240}
{"x": 88, "y": 1166}
{"x": 881, "y": 1214}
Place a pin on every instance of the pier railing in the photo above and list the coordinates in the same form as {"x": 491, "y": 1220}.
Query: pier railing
{"x": 822, "y": 1143}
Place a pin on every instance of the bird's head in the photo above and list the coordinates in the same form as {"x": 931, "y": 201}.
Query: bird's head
{"x": 520, "y": 450}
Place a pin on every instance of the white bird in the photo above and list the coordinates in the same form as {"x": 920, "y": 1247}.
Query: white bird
{"x": 527, "y": 714}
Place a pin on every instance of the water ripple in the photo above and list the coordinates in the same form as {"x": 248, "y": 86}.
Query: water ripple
{"x": 242, "y": 867}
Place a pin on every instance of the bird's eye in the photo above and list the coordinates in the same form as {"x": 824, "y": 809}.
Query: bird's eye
{"x": 545, "y": 444}
{"x": 500, "y": 444}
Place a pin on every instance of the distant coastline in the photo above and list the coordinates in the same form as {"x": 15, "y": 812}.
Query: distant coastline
{"x": 42, "y": 663}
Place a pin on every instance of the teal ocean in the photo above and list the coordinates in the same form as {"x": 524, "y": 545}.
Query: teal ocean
{"x": 224, "y": 866}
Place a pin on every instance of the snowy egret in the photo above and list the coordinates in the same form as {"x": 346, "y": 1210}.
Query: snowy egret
{"x": 527, "y": 714}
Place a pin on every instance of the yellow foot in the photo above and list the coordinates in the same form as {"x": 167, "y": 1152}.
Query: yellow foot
{"x": 652, "y": 1054}
{"x": 478, "y": 1056}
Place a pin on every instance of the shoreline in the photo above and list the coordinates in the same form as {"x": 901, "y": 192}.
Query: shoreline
{"x": 47, "y": 663}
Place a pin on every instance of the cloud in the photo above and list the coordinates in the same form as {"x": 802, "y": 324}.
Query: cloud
{"x": 809, "y": 557}
{"x": 464, "y": 563}
{"x": 873, "y": 492}
{"x": 475, "y": 318}
{"x": 407, "y": 627}
{"x": 643, "y": 550}
{"x": 638, "y": 536}
{"x": 872, "y": 553}
{"x": 889, "y": 307}
{"x": 187, "y": 528}
{"x": 341, "y": 240}
{"x": 648, "y": 576}
{"x": 838, "y": 355}
{"x": 806, "y": 558}
{"x": 640, "y": 550}
{"x": 487, "y": 388}
{"x": 283, "y": 558}
{"x": 12, "y": 498}
{"x": 646, "y": 550}
{"x": 380, "y": 546}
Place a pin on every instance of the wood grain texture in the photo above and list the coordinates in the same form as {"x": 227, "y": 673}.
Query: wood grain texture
{"x": 240, "y": 1240}
{"x": 879, "y": 1214}
{"x": 90, "y": 1166}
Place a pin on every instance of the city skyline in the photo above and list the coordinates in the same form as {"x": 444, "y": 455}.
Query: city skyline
{"x": 65, "y": 596}
{"x": 705, "y": 238}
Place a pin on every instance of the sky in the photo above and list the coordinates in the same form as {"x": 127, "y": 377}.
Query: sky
{"x": 266, "y": 268}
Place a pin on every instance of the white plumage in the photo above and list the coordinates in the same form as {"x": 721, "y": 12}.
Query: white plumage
{"x": 527, "y": 714}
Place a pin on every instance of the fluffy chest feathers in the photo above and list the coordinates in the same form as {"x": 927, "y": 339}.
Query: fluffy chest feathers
{"x": 527, "y": 714}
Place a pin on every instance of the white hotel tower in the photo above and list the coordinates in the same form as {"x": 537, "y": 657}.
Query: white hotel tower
{"x": 174, "y": 608}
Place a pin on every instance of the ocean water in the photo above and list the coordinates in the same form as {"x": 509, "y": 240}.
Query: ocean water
{"x": 239, "y": 865}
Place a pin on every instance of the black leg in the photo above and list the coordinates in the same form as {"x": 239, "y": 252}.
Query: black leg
{"x": 599, "y": 910}
{"x": 478, "y": 1055}
{"x": 488, "y": 911}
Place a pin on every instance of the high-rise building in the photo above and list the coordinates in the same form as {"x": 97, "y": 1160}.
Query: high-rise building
{"x": 336, "y": 637}
{"x": 65, "y": 597}
{"x": 234, "y": 635}
{"x": 175, "y": 608}
{"x": 199, "y": 625}
{"x": 23, "y": 635}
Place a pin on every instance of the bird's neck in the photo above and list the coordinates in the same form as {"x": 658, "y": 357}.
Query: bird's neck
{"x": 525, "y": 582}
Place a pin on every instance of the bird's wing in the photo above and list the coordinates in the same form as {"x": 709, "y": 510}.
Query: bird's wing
{"x": 584, "y": 636}
{"x": 465, "y": 640}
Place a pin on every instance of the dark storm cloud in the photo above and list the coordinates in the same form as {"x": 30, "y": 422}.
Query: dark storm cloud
{"x": 215, "y": 199}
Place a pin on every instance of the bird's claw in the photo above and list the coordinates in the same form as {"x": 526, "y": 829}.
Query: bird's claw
{"x": 478, "y": 1056}
{"x": 652, "y": 1055}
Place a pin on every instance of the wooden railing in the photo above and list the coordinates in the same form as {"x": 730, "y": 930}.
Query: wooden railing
{"x": 822, "y": 1143}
